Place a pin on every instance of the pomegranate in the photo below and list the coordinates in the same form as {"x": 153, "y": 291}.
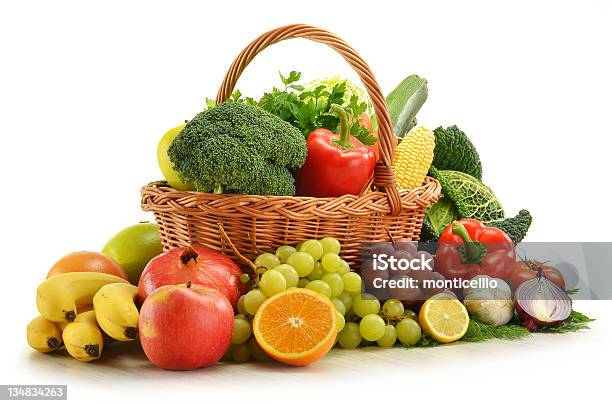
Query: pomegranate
{"x": 199, "y": 265}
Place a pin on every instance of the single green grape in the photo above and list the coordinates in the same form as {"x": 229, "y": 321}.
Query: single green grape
{"x": 372, "y": 327}
{"x": 317, "y": 272}
{"x": 367, "y": 343}
{"x": 410, "y": 314}
{"x": 227, "y": 356}
{"x": 257, "y": 353}
{"x": 339, "y": 305}
{"x": 330, "y": 245}
{"x": 303, "y": 282}
{"x": 253, "y": 300}
{"x": 319, "y": 287}
{"x": 283, "y": 252}
{"x": 335, "y": 283}
{"x": 347, "y": 299}
{"x": 267, "y": 261}
{"x": 352, "y": 282}
{"x": 389, "y": 338}
{"x": 302, "y": 262}
{"x": 393, "y": 308}
{"x": 289, "y": 273}
{"x": 344, "y": 268}
{"x": 272, "y": 282}
{"x": 349, "y": 337}
{"x": 331, "y": 262}
{"x": 244, "y": 278}
{"x": 240, "y": 305}
{"x": 365, "y": 304}
{"x": 339, "y": 321}
{"x": 240, "y": 353}
{"x": 313, "y": 247}
{"x": 408, "y": 332}
{"x": 242, "y": 330}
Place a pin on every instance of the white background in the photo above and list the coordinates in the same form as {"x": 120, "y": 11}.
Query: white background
{"x": 87, "y": 89}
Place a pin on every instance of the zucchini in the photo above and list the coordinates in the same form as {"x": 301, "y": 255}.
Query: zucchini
{"x": 404, "y": 103}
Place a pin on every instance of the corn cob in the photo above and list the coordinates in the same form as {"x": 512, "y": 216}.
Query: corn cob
{"x": 413, "y": 157}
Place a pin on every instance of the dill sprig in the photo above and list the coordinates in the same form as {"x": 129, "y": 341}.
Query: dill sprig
{"x": 426, "y": 341}
{"x": 478, "y": 331}
{"x": 576, "y": 321}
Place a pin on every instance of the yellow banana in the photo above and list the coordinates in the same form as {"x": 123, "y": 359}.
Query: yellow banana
{"x": 44, "y": 335}
{"x": 83, "y": 338}
{"x": 80, "y": 309}
{"x": 116, "y": 311}
{"x": 57, "y": 298}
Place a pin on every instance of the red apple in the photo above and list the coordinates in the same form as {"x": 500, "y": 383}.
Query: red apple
{"x": 200, "y": 265}
{"x": 185, "y": 326}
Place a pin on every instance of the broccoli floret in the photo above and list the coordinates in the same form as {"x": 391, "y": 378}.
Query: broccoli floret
{"x": 454, "y": 151}
{"x": 239, "y": 148}
{"x": 516, "y": 227}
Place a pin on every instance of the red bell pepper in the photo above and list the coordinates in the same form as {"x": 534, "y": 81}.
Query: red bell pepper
{"x": 468, "y": 248}
{"x": 336, "y": 165}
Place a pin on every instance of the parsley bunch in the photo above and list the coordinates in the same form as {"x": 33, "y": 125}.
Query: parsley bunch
{"x": 309, "y": 109}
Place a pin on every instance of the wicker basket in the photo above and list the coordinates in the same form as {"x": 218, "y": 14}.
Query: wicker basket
{"x": 257, "y": 224}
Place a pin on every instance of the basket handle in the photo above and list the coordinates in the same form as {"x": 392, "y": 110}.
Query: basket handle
{"x": 384, "y": 177}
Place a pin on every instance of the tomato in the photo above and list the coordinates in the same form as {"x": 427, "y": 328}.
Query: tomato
{"x": 522, "y": 272}
{"x": 366, "y": 121}
{"x": 87, "y": 261}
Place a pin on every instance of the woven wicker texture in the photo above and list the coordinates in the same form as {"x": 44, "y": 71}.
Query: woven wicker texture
{"x": 258, "y": 224}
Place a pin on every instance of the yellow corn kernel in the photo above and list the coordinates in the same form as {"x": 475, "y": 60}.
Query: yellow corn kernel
{"x": 413, "y": 157}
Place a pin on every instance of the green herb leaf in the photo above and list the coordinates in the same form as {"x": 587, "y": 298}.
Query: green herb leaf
{"x": 362, "y": 134}
{"x": 209, "y": 103}
{"x": 293, "y": 77}
{"x": 478, "y": 331}
{"x": 236, "y": 96}
{"x": 576, "y": 321}
{"x": 426, "y": 341}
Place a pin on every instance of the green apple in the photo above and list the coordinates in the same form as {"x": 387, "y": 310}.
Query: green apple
{"x": 165, "y": 164}
{"x": 133, "y": 247}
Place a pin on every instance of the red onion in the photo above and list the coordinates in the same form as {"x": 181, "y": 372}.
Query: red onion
{"x": 539, "y": 302}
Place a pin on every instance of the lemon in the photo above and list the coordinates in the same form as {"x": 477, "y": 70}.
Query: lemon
{"x": 165, "y": 165}
{"x": 444, "y": 318}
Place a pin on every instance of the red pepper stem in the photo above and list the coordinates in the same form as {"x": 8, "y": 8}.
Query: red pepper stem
{"x": 344, "y": 141}
{"x": 472, "y": 251}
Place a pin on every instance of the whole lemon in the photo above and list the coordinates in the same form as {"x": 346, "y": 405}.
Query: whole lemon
{"x": 133, "y": 247}
{"x": 165, "y": 164}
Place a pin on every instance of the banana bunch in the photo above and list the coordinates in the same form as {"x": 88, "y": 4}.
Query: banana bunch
{"x": 77, "y": 309}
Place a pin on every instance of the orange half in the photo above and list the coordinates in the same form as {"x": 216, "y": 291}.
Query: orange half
{"x": 296, "y": 327}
